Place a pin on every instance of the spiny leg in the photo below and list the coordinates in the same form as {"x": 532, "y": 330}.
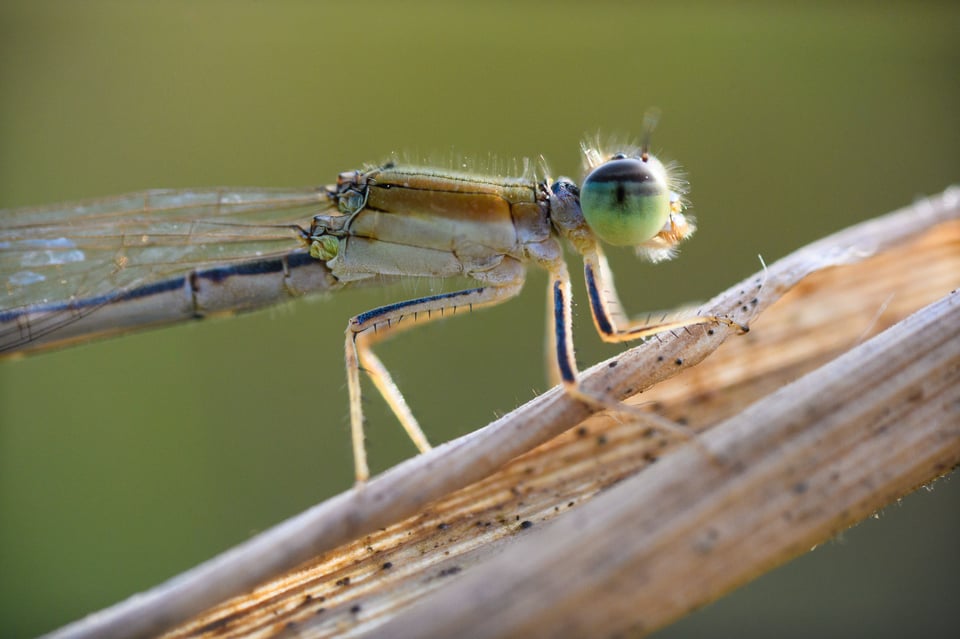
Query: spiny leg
{"x": 566, "y": 366}
{"x": 366, "y": 329}
{"x": 605, "y": 307}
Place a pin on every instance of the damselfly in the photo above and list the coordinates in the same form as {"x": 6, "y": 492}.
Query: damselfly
{"x": 73, "y": 272}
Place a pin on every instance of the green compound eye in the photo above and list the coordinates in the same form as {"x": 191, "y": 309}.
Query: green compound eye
{"x": 626, "y": 201}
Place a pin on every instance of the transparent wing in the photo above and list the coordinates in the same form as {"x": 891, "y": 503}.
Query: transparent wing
{"x": 100, "y": 247}
{"x": 70, "y": 272}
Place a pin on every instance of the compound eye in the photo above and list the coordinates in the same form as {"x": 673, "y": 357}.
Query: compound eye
{"x": 626, "y": 201}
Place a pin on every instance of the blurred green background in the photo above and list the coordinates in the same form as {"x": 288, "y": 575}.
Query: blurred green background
{"x": 127, "y": 461}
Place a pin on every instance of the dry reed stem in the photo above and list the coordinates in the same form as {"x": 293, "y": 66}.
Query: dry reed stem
{"x": 787, "y": 460}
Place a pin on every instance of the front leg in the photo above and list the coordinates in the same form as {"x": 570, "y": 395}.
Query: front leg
{"x": 562, "y": 351}
{"x": 608, "y": 316}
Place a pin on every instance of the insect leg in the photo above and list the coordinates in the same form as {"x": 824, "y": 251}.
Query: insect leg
{"x": 363, "y": 331}
{"x": 608, "y": 316}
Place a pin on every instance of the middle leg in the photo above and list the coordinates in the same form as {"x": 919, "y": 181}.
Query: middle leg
{"x": 564, "y": 363}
